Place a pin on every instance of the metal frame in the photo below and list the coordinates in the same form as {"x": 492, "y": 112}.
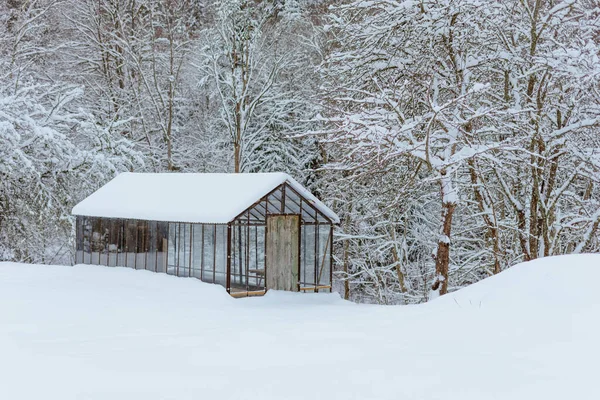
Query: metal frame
{"x": 283, "y": 199}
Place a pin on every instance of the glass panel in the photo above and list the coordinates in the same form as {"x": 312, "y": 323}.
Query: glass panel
{"x": 93, "y": 223}
{"x": 239, "y": 255}
{"x": 234, "y": 280}
{"x": 181, "y": 239}
{"x": 221, "y": 255}
{"x": 131, "y": 232}
{"x": 96, "y": 241}
{"x": 275, "y": 202}
{"x": 104, "y": 229}
{"x": 259, "y": 210}
{"x": 256, "y": 270}
{"x": 324, "y": 259}
{"x": 292, "y": 202}
{"x": 257, "y": 214}
{"x": 87, "y": 245}
{"x": 173, "y": 248}
{"x": 307, "y": 254}
{"x": 255, "y": 217}
{"x": 208, "y": 271}
{"x": 189, "y": 242}
{"x": 162, "y": 240}
{"x": 112, "y": 242}
{"x": 197, "y": 235}
{"x": 121, "y": 249}
{"x": 151, "y": 243}
{"x": 322, "y": 219}
{"x": 183, "y": 249}
{"x": 79, "y": 240}
{"x": 142, "y": 245}
{"x": 308, "y": 214}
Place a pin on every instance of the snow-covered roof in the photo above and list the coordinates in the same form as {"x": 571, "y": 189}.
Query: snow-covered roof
{"x": 187, "y": 197}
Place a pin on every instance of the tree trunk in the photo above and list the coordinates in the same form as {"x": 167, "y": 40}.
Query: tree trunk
{"x": 170, "y": 131}
{"x": 346, "y": 257}
{"x": 442, "y": 258}
{"x": 396, "y": 258}
{"x": 484, "y": 206}
{"x": 236, "y": 157}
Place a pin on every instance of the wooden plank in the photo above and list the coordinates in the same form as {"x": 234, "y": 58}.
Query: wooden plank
{"x": 282, "y": 252}
{"x": 306, "y": 288}
{"x": 257, "y": 271}
{"x": 247, "y": 294}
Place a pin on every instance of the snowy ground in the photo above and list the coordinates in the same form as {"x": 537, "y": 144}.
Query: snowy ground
{"x": 89, "y": 332}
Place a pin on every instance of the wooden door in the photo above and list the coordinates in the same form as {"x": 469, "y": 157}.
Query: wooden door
{"x": 283, "y": 252}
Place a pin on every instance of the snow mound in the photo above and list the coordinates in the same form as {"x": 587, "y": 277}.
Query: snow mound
{"x": 562, "y": 281}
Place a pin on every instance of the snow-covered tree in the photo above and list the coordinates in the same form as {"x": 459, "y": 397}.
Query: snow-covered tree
{"x": 51, "y": 155}
{"x": 488, "y": 103}
{"x": 253, "y": 61}
{"x": 52, "y": 151}
{"x": 134, "y": 56}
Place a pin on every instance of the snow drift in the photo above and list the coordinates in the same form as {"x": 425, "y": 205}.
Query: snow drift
{"x": 560, "y": 281}
{"x": 113, "y": 333}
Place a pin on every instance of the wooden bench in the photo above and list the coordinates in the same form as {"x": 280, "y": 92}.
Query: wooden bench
{"x": 314, "y": 288}
{"x": 247, "y": 294}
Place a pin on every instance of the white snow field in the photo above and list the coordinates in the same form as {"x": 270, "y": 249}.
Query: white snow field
{"x": 90, "y": 332}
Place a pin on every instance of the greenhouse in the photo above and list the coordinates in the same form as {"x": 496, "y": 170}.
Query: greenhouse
{"x": 246, "y": 232}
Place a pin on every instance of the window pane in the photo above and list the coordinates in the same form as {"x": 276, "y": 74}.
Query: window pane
{"x": 173, "y": 246}
{"x": 97, "y": 241}
{"x": 307, "y": 254}
{"x": 87, "y": 233}
{"x": 274, "y": 202}
{"x": 308, "y": 214}
{"x": 256, "y": 272}
{"x": 162, "y": 235}
{"x": 238, "y": 258}
{"x": 208, "y": 273}
{"x": 184, "y": 252}
{"x": 142, "y": 244}
{"x": 197, "y": 250}
{"x": 104, "y": 229}
{"x": 292, "y": 202}
{"x": 324, "y": 259}
{"x": 112, "y": 226}
{"x": 221, "y": 255}
{"x": 151, "y": 243}
{"x": 78, "y": 240}
{"x": 121, "y": 249}
{"x": 130, "y": 242}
